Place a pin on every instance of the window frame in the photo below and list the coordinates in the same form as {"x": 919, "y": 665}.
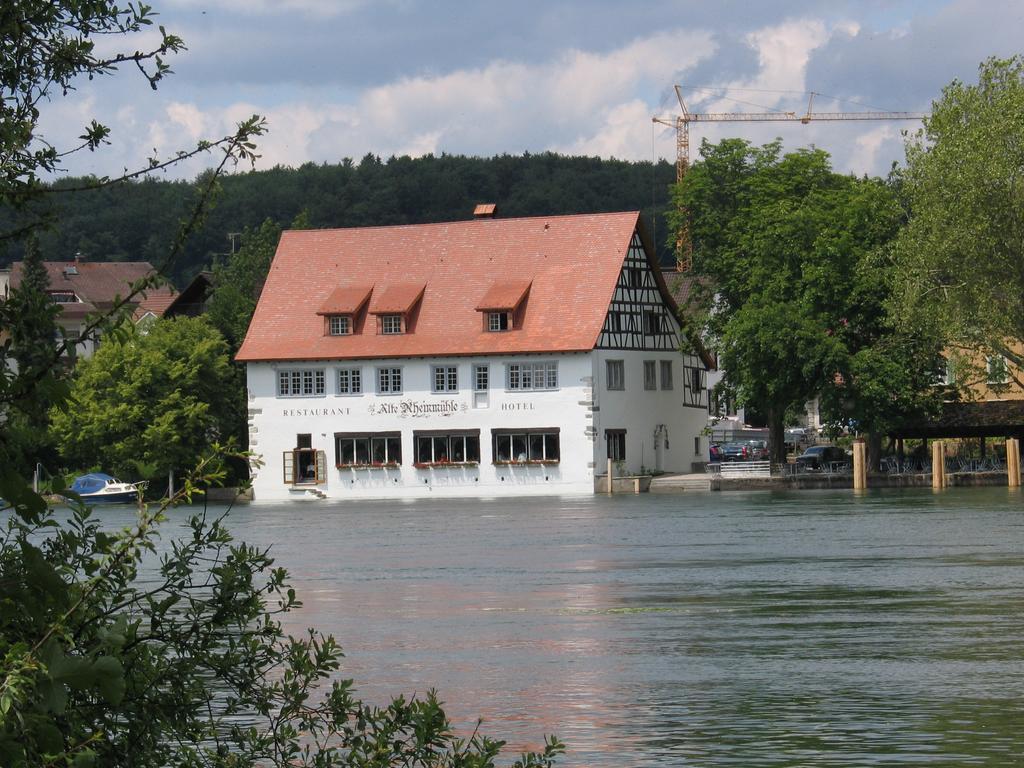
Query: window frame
{"x": 392, "y": 325}
{"x": 499, "y": 322}
{"x": 449, "y": 379}
{"x": 394, "y": 373}
{"x": 449, "y": 439}
{"x": 341, "y": 320}
{"x": 666, "y": 381}
{"x": 294, "y": 379}
{"x": 354, "y": 374}
{"x": 550, "y": 436}
{"x": 548, "y": 368}
{"x": 388, "y": 438}
{"x": 616, "y": 451}
{"x": 291, "y": 461}
{"x": 654, "y": 322}
{"x": 650, "y": 375}
{"x": 615, "y": 375}
{"x": 997, "y": 372}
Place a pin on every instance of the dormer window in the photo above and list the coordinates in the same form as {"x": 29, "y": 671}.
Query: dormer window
{"x": 339, "y": 325}
{"x": 498, "y": 321}
{"x": 345, "y": 309}
{"x": 503, "y": 305}
{"x": 390, "y": 324}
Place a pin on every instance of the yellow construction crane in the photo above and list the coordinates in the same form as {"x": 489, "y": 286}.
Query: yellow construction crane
{"x": 682, "y": 125}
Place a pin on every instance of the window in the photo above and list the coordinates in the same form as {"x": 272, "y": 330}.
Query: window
{"x": 433, "y": 448}
{"x": 374, "y": 449}
{"x": 650, "y": 375}
{"x": 308, "y": 382}
{"x": 303, "y": 465}
{"x": 481, "y": 385}
{"x": 389, "y": 381}
{"x": 532, "y": 376}
{"x": 339, "y": 325}
{"x": 998, "y": 373}
{"x": 633, "y": 277}
{"x": 696, "y": 380}
{"x": 539, "y": 446}
{"x": 615, "y": 374}
{"x": 614, "y": 322}
{"x": 654, "y": 324}
{"x": 445, "y": 378}
{"x": 390, "y": 324}
{"x": 666, "y": 374}
{"x": 350, "y": 381}
{"x": 498, "y": 321}
{"x": 616, "y": 444}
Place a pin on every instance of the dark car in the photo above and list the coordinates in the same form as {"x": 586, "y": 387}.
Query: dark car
{"x": 735, "y": 452}
{"x": 715, "y": 453}
{"x": 819, "y": 456}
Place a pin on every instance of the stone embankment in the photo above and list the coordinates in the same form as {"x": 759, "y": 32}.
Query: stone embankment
{"x": 813, "y": 480}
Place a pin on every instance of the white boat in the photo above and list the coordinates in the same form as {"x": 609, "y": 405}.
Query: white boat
{"x": 98, "y": 488}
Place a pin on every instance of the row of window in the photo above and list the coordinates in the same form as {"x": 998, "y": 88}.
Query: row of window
{"x": 390, "y": 325}
{"x": 353, "y": 450}
{"x": 436, "y": 448}
{"x": 615, "y": 374}
{"x": 311, "y": 382}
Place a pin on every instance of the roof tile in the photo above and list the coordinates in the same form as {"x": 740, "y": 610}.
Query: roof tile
{"x": 574, "y": 262}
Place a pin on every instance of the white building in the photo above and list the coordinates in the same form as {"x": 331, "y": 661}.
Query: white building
{"x": 474, "y": 358}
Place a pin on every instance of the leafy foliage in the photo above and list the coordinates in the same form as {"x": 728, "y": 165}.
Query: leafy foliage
{"x": 152, "y": 399}
{"x": 795, "y": 276}
{"x": 961, "y": 256}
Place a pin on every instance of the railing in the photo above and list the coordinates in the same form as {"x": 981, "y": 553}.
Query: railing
{"x": 743, "y": 469}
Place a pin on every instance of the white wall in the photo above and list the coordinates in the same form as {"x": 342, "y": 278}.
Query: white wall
{"x": 275, "y": 422}
{"x": 640, "y": 412}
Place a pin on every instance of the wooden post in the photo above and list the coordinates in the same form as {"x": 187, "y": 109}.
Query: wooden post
{"x": 610, "y": 478}
{"x": 1013, "y": 462}
{"x": 860, "y": 469}
{"x": 938, "y": 464}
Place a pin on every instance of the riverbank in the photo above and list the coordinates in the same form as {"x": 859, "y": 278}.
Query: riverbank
{"x": 685, "y": 483}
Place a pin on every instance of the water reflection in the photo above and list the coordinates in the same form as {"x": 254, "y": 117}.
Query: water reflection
{"x": 721, "y": 629}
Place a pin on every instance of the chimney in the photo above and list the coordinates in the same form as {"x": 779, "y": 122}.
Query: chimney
{"x": 484, "y": 211}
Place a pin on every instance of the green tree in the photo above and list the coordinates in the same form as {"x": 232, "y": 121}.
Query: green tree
{"x": 794, "y": 284}
{"x": 961, "y": 256}
{"x": 152, "y": 399}
{"x": 30, "y": 317}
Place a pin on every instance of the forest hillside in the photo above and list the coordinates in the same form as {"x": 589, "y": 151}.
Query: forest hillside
{"x": 137, "y": 221}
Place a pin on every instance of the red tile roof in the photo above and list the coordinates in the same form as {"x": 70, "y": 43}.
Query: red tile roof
{"x": 157, "y": 304}
{"x": 504, "y": 295}
{"x": 345, "y": 300}
{"x": 572, "y": 261}
{"x": 396, "y": 299}
{"x": 97, "y": 282}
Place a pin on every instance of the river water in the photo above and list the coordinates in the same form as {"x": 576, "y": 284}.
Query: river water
{"x": 719, "y": 629}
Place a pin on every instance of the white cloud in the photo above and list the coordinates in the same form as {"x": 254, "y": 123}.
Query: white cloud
{"x": 580, "y": 100}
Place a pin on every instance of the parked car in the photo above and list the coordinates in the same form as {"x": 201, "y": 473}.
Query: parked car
{"x": 758, "y": 449}
{"x": 715, "y": 453}
{"x": 735, "y": 451}
{"x": 819, "y": 456}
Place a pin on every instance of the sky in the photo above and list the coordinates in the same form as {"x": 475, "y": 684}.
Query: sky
{"x": 344, "y": 78}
